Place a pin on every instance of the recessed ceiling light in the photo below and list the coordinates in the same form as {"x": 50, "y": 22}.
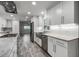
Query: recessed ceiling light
{"x": 28, "y": 12}
{"x": 33, "y": 3}
{"x": 42, "y": 13}
{"x": 11, "y": 15}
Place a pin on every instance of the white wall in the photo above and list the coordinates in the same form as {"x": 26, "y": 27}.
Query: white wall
{"x": 35, "y": 20}
{"x": 15, "y": 26}
{"x": 2, "y": 23}
{"x": 38, "y": 23}
{"x": 3, "y": 20}
{"x": 41, "y": 21}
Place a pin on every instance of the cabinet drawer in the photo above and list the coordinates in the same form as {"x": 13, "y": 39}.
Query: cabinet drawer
{"x": 38, "y": 41}
{"x": 61, "y": 43}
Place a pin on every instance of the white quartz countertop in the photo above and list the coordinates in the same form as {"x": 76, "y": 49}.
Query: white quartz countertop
{"x": 6, "y": 44}
{"x": 63, "y": 36}
{"x": 64, "y": 33}
{"x": 2, "y": 33}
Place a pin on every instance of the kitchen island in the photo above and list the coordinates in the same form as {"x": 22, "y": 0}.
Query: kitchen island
{"x": 8, "y": 46}
{"x": 63, "y": 41}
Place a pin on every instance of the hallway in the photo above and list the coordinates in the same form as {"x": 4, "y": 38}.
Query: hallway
{"x": 29, "y": 49}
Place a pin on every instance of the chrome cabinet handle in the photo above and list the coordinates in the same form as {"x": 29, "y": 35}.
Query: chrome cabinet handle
{"x": 62, "y": 19}
{"x": 54, "y": 48}
{"x": 60, "y": 44}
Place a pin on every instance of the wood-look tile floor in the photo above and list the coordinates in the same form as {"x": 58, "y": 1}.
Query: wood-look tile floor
{"x": 29, "y": 49}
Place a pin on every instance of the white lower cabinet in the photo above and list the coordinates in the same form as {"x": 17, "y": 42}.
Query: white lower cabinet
{"x": 50, "y": 46}
{"x": 38, "y": 41}
{"x": 61, "y": 48}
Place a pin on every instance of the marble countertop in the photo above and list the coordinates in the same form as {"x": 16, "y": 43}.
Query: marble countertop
{"x": 65, "y": 32}
{"x": 64, "y": 35}
{"x": 2, "y": 33}
{"x": 6, "y": 44}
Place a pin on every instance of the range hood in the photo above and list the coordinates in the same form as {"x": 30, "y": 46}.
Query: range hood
{"x": 9, "y": 6}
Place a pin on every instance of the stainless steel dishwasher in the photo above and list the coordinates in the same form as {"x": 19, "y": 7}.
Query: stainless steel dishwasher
{"x": 45, "y": 42}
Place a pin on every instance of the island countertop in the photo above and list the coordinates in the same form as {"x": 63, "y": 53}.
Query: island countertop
{"x": 6, "y": 45}
{"x": 64, "y": 32}
{"x": 62, "y": 36}
{"x": 2, "y": 33}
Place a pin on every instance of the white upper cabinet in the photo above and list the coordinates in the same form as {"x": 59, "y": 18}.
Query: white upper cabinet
{"x": 68, "y": 12}
{"x": 54, "y": 14}
{"x": 62, "y": 13}
{"x": 15, "y": 26}
{"x": 9, "y": 23}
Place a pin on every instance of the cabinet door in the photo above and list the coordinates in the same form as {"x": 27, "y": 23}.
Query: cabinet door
{"x": 50, "y": 46}
{"x": 60, "y": 49}
{"x": 38, "y": 41}
{"x": 9, "y": 23}
{"x": 68, "y": 12}
{"x": 34, "y": 36}
{"x": 55, "y": 14}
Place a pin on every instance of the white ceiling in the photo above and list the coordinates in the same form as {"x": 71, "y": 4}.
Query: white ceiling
{"x": 24, "y": 6}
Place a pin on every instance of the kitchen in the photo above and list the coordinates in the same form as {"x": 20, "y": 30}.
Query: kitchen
{"x": 39, "y": 29}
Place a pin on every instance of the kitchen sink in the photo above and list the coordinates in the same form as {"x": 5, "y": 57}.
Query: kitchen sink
{"x": 8, "y": 35}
